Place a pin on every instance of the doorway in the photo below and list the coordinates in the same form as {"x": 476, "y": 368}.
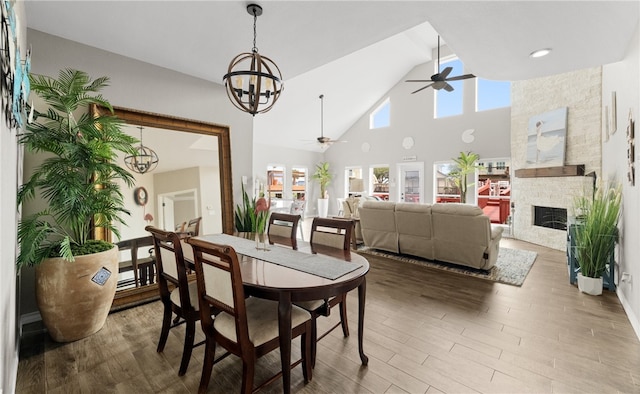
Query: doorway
{"x": 411, "y": 182}
{"x": 177, "y": 207}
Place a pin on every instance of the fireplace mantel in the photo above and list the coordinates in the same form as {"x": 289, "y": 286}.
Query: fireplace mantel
{"x": 569, "y": 170}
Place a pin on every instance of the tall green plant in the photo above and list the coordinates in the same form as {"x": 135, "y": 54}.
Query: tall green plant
{"x": 323, "y": 176}
{"x": 597, "y": 229}
{"x": 78, "y": 179}
{"x": 465, "y": 165}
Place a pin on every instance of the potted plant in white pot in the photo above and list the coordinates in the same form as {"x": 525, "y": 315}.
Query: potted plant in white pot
{"x": 324, "y": 177}
{"x": 596, "y": 235}
{"x": 76, "y": 276}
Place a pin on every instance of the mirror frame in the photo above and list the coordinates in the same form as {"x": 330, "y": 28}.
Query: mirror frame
{"x": 131, "y": 297}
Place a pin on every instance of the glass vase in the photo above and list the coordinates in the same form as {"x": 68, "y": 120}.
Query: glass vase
{"x": 262, "y": 240}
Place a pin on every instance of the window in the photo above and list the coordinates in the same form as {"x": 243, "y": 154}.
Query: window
{"x": 381, "y": 116}
{"x": 354, "y": 183}
{"x": 450, "y": 103}
{"x": 492, "y": 94}
{"x": 275, "y": 182}
{"x": 379, "y": 176}
{"x": 298, "y": 183}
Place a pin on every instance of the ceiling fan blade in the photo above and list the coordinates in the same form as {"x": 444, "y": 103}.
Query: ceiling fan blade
{"x": 445, "y": 73}
{"x": 460, "y": 77}
{"x": 439, "y": 85}
{"x": 448, "y": 87}
{"x": 422, "y": 88}
{"x": 418, "y": 80}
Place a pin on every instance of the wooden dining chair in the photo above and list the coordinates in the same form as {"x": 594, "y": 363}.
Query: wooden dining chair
{"x": 183, "y": 299}
{"x": 247, "y": 328}
{"x": 193, "y": 226}
{"x": 333, "y": 233}
{"x": 283, "y": 228}
{"x": 141, "y": 266}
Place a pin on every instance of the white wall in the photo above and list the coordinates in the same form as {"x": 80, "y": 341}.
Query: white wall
{"x": 9, "y": 170}
{"x": 624, "y": 79}
{"x": 148, "y": 88}
{"x": 412, "y": 115}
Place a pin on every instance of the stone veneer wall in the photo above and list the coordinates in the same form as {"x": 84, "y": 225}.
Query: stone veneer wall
{"x": 581, "y": 92}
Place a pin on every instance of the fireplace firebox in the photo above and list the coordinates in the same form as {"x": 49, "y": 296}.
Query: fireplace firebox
{"x": 553, "y": 218}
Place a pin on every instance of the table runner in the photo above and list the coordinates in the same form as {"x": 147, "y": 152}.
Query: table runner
{"x": 315, "y": 264}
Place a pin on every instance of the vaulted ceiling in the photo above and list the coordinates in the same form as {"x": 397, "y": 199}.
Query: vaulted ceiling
{"x": 353, "y": 52}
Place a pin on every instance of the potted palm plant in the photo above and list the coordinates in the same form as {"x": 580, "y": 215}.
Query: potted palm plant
{"x": 324, "y": 177}
{"x": 76, "y": 275}
{"x": 596, "y": 235}
{"x": 465, "y": 165}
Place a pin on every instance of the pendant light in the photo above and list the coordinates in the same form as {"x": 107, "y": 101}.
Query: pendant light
{"x": 144, "y": 160}
{"x": 253, "y": 82}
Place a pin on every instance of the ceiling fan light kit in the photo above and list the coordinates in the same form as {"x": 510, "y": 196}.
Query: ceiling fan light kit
{"x": 253, "y": 82}
{"x": 440, "y": 80}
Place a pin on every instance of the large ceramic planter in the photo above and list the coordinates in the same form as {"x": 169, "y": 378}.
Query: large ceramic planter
{"x": 323, "y": 207}
{"x": 72, "y": 301}
{"x": 592, "y": 286}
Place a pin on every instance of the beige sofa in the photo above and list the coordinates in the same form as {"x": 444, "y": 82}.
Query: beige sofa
{"x": 453, "y": 233}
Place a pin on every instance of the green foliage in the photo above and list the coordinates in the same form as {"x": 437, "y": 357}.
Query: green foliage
{"x": 78, "y": 179}
{"x": 597, "y": 229}
{"x": 323, "y": 176}
{"x": 245, "y": 217}
{"x": 465, "y": 165}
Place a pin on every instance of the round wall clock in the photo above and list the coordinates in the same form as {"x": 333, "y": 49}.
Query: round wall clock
{"x": 141, "y": 196}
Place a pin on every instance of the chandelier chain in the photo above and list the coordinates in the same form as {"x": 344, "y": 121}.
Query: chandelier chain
{"x": 255, "y": 19}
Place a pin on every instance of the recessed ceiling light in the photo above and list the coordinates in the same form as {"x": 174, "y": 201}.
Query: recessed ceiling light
{"x": 540, "y": 52}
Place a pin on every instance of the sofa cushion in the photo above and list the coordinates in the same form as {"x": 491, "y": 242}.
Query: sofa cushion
{"x": 378, "y": 224}
{"x": 414, "y": 227}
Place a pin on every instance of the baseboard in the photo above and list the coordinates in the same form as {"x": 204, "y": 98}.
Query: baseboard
{"x": 633, "y": 319}
{"x": 28, "y": 318}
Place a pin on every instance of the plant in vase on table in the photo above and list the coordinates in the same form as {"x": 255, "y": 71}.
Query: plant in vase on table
{"x": 252, "y": 217}
{"x": 76, "y": 275}
{"x": 596, "y": 235}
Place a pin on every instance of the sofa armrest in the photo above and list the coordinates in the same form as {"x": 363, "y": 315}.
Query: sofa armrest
{"x": 496, "y": 232}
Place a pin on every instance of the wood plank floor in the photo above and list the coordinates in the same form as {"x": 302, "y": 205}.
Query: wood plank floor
{"x": 426, "y": 331}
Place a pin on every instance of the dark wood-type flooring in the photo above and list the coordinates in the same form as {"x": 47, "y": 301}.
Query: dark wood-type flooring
{"x": 426, "y": 331}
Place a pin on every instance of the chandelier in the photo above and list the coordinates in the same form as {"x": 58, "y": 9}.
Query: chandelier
{"x": 253, "y": 82}
{"x": 144, "y": 160}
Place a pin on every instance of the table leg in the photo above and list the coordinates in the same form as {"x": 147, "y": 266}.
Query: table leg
{"x": 362, "y": 293}
{"x": 284, "y": 326}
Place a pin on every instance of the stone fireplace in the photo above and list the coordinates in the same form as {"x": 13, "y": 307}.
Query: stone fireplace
{"x": 579, "y": 91}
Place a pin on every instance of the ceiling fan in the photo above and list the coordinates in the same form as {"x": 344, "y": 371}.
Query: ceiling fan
{"x": 440, "y": 80}
{"x": 322, "y": 140}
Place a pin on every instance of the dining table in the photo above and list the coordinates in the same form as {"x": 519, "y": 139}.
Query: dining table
{"x": 288, "y": 276}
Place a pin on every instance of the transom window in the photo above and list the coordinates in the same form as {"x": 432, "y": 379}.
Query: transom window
{"x": 450, "y": 103}
{"x": 381, "y": 116}
{"x": 492, "y": 94}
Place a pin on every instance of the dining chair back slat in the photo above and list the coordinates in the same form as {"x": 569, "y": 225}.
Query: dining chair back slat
{"x": 284, "y": 227}
{"x": 335, "y": 233}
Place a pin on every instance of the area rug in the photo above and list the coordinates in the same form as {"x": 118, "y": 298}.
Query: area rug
{"x": 512, "y": 266}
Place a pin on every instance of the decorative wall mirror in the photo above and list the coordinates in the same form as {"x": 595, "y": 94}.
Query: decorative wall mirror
{"x": 193, "y": 178}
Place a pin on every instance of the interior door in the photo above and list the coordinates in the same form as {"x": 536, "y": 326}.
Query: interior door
{"x": 411, "y": 185}
{"x": 168, "y": 223}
